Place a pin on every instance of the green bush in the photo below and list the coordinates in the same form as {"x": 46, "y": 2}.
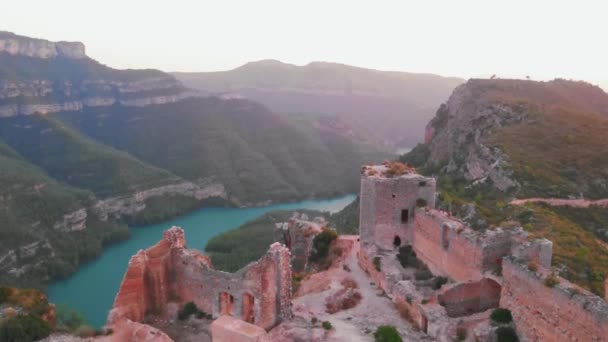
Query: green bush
{"x": 387, "y": 333}
{"x": 438, "y": 282}
{"x": 551, "y": 280}
{"x": 321, "y": 244}
{"x": 67, "y": 318}
{"x": 377, "y": 263}
{"x": 421, "y": 203}
{"x": 461, "y": 333}
{"x": 24, "y": 329}
{"x": 5, "y": 292}
{"x": 501, "y": 315}
{"x": 190, "y": 309}
{"x": 407, "y": 257}
{"x": 423, "y": 274}
{"x": 506, "y": 334}
{"x": 326, "y": 325}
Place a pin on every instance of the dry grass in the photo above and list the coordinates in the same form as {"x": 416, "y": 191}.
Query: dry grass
{"x": 349, "y": 283}
{"x": 344, "y": 299}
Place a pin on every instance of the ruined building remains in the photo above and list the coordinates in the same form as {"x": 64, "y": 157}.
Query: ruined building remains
{"x": 486, "y": 269}
{"x": 297, "y": 235}
{"x": 168, "y": 274}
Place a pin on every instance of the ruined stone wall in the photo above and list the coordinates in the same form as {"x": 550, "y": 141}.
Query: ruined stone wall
{"x": 298, "y": 235}
{"x": 542, "y": 313}
{"x": 260, "y": 293}
{"x": 452, "y": 249}
{"x": 388, "y": 205}
{"x": 469, "y": 298}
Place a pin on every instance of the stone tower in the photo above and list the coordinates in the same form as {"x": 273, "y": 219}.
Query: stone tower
{"x": 388, "y": 203}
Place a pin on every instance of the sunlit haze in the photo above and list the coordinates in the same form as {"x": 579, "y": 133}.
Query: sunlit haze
{"x": 541, "y": 39}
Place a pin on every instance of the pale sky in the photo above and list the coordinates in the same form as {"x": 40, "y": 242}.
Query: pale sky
{"x": 541, "y": 38}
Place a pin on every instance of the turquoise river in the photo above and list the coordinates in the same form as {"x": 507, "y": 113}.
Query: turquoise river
{"x": 91, "y": 290}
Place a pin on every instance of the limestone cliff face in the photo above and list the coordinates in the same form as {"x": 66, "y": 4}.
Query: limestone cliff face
{"x": 39, "y": 48}
{"x": 49, "y": 77}
{"x": 459, "y": 137}
{"x": 133, "y": 203}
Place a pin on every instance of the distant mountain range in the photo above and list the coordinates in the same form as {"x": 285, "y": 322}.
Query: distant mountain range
{"x": 384, "y": 108}
{"x": 85, "y": 148}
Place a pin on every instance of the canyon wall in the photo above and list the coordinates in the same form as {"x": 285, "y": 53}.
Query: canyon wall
{"x": 564, "y": 312}
{"x": 131, "y": 204}
{"x": 39, "y": 48}
{"x": 259, "y": 294}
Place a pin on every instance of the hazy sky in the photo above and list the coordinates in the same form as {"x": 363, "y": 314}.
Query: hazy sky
{"x": 543, "y": 39}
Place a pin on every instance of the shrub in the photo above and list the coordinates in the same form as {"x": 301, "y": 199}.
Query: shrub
{"x": 349, "y": 283}
{"x": 423, "y": 274}
{"x": 506, "y": 334}
{"x": 387, "y": 333}
{"x": 67, "y": 318}
{"x": 321, "y": 244}
{"x": 438, "y": 282}
{"x": 501, "y": 315}
{"x": 377, "y": 264}
{"x": 326, "y": 325}
{"x": 24, "y": 329}
{"x": 190, "y": 309}
{"x": 407, "y": 257}
{"x": 533, "y": 266}
{"x": 551, "y": 280}
{"x": 5, "y": 293}
{"x": 314, "y": 320}
{"x": 85, "y": 331}
{"x": 421, "y": 203}
{"x": 461, "y": 333}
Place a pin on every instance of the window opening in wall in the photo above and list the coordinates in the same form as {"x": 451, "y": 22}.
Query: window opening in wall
{"x": 226, "y": 301}
{"x": 248, "y": 305}
{"x": 405, "y": 216}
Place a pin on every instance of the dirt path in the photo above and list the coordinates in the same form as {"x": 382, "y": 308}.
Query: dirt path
{"x": 577, "y": 203}
{"x": 358, "y": 323}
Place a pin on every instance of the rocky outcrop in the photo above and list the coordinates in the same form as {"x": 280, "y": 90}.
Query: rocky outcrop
{"x": 259, "y": 294}
{"x": 38, "y": 89}
{"x": 459, "y": 137}
{"x": 73, "y": 221}
{"x": 133, "y": 203}
{"x": 39, "y": 48}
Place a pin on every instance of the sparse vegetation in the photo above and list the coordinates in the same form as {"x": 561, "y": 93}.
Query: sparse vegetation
{"x": 377, "y": 263}
{"x": 552, "y": 280}
{"x": 24, "y": 328}
{"x": 321, "y": 244}
{"x": 502, "y": 316}
{"x": 190, "y": 309}
{"x": 533, "y": 266}
{"x": 326, "y": 325}
{"x": 506, "y": 334}
{"x": 387, "y": 333}
{"x": 461, "y": 333}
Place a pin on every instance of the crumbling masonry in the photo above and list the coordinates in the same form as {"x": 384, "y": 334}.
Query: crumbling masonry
{"x": 486, "y": 269}
{"x": 258, "y": 294}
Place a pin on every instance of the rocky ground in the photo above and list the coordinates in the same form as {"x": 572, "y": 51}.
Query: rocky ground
{"x": 354, "y": 324}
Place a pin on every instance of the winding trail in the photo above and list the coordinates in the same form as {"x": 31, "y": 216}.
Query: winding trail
{"x": 576, "y": 203}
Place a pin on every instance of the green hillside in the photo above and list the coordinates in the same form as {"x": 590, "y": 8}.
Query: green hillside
{"x": 73, "y": 159}
{"x": 256, "y": 154}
